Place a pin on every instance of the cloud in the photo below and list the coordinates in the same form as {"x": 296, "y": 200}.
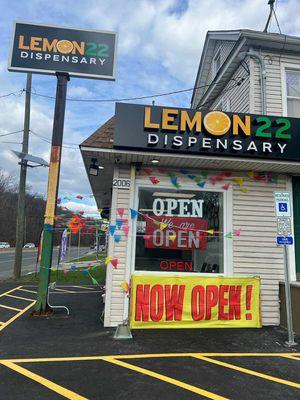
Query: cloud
{"x": 89, "y": 210}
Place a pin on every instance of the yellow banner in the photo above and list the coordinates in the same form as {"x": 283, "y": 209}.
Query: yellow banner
{"x": 173, "y": 301}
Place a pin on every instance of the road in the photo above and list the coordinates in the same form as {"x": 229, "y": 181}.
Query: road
{"x": 29, "y": 260}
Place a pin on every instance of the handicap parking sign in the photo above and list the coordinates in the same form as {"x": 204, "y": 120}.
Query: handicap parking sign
{"x": 283, "y": 207}
{"x": 282, "y": 204}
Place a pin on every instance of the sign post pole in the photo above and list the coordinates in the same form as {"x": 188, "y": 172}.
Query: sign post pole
{"x": 41, "y": 306}
{"x": 288, "y": 303}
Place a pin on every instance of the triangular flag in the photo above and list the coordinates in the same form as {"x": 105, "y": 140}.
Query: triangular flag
{"x": 204, "y": 174}
{"x": 198, "y": 179}
{"x": 192, "y": 176}
{"x": 213, "y": 180}
{"x": 210, "y": 231}
{"x": 184, "y": 171}
{"x": 119, "y": 223}
{"x": 148, "y": 171}
{"x": 107, "y": 260}
{"x": 94, "y": 281}
{"x": 66, "y": 271}
{"x": 114, "y": 262}
{"x": 133, "y": 213}
{"x": 226, "y": 186}
{"x": 161, "y": 170}
{"x": 250, "y": 174}
{"x": 146, "y": 237}
{"x": 228, "y": 235}
{"x": 237, "y": 232}
{"x": 73, "y": 267}
{"x": 154, "y": 180}
{"x": 172, "y": 237}
{"x": 121, "y": 211}
{"x": 125, "y": 229}
{"x": 94, "y": 267}
{"x": 155, "y": 222}
{"x": 239, "y": 181}
{"x": 244, "y": 190}
{"x": 112, "y": 229}
{"x": 227, "y": 173}
{"x": 117, "y": 237}
{"x": 201, "y": 184}
{"x": 125, "y": 286}
{"x": 85, "y": 272}
{"x": 162, "y": 226}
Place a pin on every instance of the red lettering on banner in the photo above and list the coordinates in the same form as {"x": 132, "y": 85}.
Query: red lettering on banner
{"x": 166, "y": 265}
{"x": 223, "y": 302}
{"x": 142, "y": 303}
{"x": 212, "y": 292}
{"x": 157, "y": 303}
{"x": 198, "y": 302}
{"x": 235, "y": 302}
{"x": 174, "y": 302}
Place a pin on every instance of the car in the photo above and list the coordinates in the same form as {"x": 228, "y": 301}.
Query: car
{"x": 29, "y": 246}
{"x": 4, "y": 245}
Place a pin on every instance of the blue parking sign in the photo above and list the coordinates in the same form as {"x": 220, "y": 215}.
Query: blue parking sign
{"x": 288, "y": 240}
{"x": 283, "y": 207}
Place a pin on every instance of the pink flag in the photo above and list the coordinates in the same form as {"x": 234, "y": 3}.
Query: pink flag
{"x": 154, "y": 180}
{"x": 125, "y": 229}
{"x": 226, "y": 186}
{"x": 148, "y": 171}
{"x": 121, "y": 211}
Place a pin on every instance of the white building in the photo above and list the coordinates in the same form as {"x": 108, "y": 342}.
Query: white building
{"x": 241, "y": 71}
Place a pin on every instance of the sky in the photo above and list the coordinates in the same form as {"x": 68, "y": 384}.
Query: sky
{"x": 159, "y": 49}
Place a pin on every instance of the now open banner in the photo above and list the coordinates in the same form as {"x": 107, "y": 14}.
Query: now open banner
{"x": 172, "y": 301}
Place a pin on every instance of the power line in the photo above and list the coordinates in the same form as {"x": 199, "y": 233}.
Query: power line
{"x": 129, "y": 98}
{"x": 17, "y": 93}
{"x": 10, "y": 133}
{"x": 47, "y": 140}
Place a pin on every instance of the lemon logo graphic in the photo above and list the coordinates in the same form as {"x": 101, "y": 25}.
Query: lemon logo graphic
{"x": 64, "y": 46}
{"x": 217, "y": 123}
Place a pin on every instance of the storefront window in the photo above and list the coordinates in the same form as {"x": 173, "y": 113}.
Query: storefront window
{"x": 172, "y": 231}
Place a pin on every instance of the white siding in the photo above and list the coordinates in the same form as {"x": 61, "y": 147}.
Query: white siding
{"x": 225, "y": 48}
{"x": 237, "y": 96}
{"x": 275, "y": 100}
{"x": 115, "y": 297}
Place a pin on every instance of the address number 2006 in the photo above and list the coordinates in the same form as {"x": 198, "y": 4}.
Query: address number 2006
{"x": 121, "y": 183}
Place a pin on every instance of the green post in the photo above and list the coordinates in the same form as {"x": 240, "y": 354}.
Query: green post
{"x": 41, "y": 306}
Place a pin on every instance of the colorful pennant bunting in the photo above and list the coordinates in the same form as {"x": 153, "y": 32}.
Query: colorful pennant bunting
{"x": 114, "y": 262}
{"x": 112, "y": 229}
{"x": 121, "y": 212}
{"x": 117, "y": 237}
{"x": 133, "y": 213}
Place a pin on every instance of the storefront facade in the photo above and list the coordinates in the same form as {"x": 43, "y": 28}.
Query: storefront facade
{"x": 203, "y": 205}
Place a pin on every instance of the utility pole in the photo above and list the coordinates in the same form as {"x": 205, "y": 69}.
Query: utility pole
{"x": 41, "y": 306}
{"x": 22, "y": 184}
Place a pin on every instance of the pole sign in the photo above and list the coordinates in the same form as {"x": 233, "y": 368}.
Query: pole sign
{"x": 216, "y": 133}
{"x": 282, "y": 204}
{"x": 47, "y": 49}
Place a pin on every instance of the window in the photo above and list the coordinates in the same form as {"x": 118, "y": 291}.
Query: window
{"x": 293, "y": 93}
{"x": 172, "y": 231}
{"x": 217, "y": 62}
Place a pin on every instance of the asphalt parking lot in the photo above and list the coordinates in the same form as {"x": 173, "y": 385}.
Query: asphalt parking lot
{"x": 76, "y": 358}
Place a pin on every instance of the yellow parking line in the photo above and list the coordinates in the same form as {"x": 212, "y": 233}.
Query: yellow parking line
{"x": 10, "y": 308}
{"x": 68, "y": 394}
{"x": 27, "y": 290}
{"x": 248, "y": 371}
{"x": 165, "y": 378}
{"x": 292, "y": 357}
{"x": 18, "y": 297}
{"x": 9, "y": 291}
{"x": 5, "y": 324}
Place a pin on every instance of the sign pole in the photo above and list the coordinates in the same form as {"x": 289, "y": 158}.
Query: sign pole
{"x": 41, "y": 306}
{"x": 288, "y": 303}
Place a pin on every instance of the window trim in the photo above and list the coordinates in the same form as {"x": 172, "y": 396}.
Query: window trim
{"x": 284, "y": 68}
{"x": 227, "y": 227}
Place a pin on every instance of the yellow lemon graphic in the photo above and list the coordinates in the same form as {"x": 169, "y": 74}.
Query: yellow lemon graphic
{"x": 217, "y": 123}
{"x": 64, "y": 46}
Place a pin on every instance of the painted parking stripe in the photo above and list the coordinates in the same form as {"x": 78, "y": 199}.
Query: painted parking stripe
{"x": 68, "y": 394}
{"x": 18, "y": 297}
{"x": 248, "y": 371}
{"x": 27, "y": 290}
{"x": 10, "y": 308}
{"x": 165, "y": 378}
{"x": 10, "y": 291}
{"x": 83, "y": 287}
{"x": 63, "y": 290}
{"x": 291, "y": 357}
{"x": 5, "y": 324}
